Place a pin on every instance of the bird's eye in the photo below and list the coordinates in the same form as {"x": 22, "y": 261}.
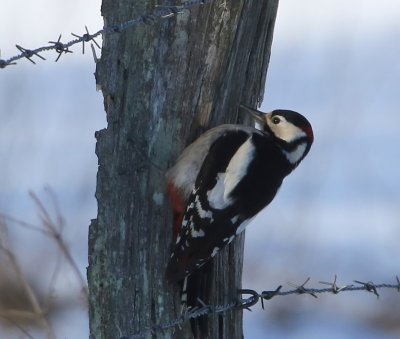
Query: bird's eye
{"x": 276, "y": 120}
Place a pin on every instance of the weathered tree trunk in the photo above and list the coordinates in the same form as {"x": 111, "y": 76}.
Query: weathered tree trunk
{"x": 164, "y": 84}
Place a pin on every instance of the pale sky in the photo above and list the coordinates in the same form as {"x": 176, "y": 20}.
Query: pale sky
{"x": 335, "y": 61}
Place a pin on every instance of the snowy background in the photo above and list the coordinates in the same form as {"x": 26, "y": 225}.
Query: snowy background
{"x": 335, "y": 61}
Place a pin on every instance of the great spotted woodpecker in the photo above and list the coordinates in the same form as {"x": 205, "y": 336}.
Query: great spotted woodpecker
{"x": 223, "y": 179}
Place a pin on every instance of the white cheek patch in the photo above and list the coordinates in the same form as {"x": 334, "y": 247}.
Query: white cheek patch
{"x": 286, "y": 130}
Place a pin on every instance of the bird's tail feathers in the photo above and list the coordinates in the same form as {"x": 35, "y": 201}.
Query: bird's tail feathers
{"x": 196, "y": 290}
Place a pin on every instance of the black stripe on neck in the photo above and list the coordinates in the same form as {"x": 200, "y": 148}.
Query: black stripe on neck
{"x": 291, "y": 146}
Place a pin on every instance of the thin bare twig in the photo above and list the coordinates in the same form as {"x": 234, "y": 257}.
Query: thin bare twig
{"x": 55, "y": 229}
{"x": 51, "y": 227}
{"x": 36, "y": 307}
{"x": 24, "y": 224}
{"x": 14, "y": 323}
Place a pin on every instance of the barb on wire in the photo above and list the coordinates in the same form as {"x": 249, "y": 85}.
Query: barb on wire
{"x": 86, "y": 38}
{"x": 334, "y": 287}
{"x": 300, "y": 289}
{"x": 254, "y": 297}
{"x": 369, "y": 286}
{"x": 28, "y": 54}
{"x": 160, "y": 12}
{"x": 268, "y": 295}
{"x": 60, "y": 47}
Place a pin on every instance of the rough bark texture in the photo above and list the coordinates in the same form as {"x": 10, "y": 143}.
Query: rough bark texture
{"x": 164, "y": 84}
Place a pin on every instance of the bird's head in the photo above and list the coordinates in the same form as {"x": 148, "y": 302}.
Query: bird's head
{"x": 292, "y": 131}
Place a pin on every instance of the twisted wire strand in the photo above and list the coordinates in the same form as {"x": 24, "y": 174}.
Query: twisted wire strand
{"x": 159, "y": 13}
{"x": 255, "y": 297}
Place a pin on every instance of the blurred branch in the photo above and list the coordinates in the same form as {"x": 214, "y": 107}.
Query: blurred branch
{"x": 14, "y": 323}
{"x": 23, "y": 224}
{"x": 32, "y": 309}
{"x": 54, "y": 229}
{"x": 37, "y": 311}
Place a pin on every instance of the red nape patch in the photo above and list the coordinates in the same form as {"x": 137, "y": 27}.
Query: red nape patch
{"x": 178, "y": 207}
{"x": 309, "y": 132}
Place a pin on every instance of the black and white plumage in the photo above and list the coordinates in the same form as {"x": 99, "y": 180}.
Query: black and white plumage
{"x": 225, "y": 178}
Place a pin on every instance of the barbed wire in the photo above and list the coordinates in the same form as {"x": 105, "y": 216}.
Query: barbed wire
{"x": 163, "y": 12}
{"x": 255, "y": 297}
{"x": 160, "y": 12}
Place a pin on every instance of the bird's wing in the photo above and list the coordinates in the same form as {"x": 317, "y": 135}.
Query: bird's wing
{"x": 210, "y": 221}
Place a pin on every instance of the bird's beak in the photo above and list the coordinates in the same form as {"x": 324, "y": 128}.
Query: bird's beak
{"x": 258, "y": 116}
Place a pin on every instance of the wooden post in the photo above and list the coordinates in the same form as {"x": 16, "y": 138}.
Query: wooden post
{"x": 164, "y": 83}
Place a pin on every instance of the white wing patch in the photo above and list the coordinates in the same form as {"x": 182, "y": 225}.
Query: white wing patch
{"x": 215, "y": 196}
{"x": 237, "y": 167}
{"x": 218, "y": 196}
{"x": 184, "y": 173}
